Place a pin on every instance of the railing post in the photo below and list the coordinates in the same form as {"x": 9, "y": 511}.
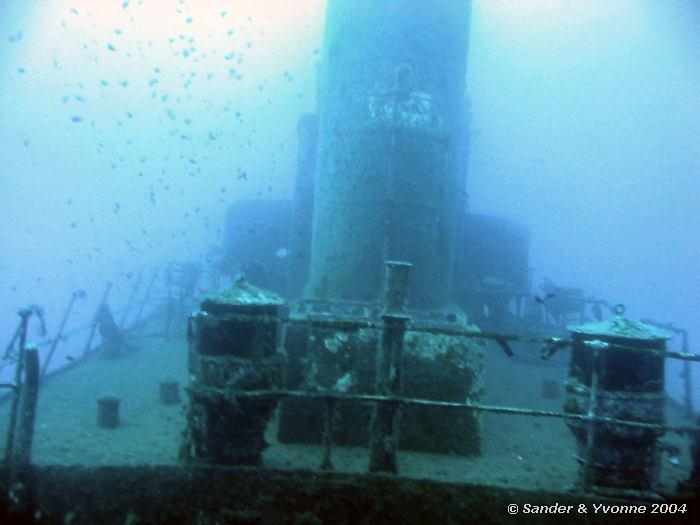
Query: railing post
{"x": 589, "y": 452}
{"x": 687, "y": 376}
{"x": 24, "y": 314}
{"x": 130, "y": 302}
{"x": 384, "y": 425}
{"x": 170, "y": 306}
{"x": 693, "y": 482}
{"x": 95, "y": 323}
{"x": 20, "y": 453}
{"x": 327, "y": 437}
{"x": 27, "y": 412}
{"x": 144, "y": 301}
{"x": 57, "y": 338}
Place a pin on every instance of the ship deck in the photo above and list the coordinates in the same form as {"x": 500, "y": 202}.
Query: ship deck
{"x": 523, "y": 452}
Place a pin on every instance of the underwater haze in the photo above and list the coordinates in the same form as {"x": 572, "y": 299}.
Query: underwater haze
{"x": 128, "y": 127}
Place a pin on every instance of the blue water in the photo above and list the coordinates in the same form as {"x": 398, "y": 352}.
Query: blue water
{"x": 125, "y": 128}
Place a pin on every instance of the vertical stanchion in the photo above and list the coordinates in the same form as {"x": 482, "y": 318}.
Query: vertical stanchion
{"x": 11, "y": 345}
{"x": 93, "y": 328}
{"x": 589, "y": 454}
{"x": 19, "y": 447}
{"x": 130, "y": 303}
{"x": 54, "y": 343}
{"x": 24, "y": 314}
{"x": 688, "y": 409}
{"x": 169, "y": 311}
{"x": 146, "y": 297}
{"x": 693, "y": 482}
{"x": 329, "y": 410}
{"x": 384, "y": 425}
{"x": 27, "y": 410}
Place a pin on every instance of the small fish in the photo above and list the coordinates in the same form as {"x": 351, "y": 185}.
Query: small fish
{"x": 282, "y": 253}
{"x": 70, "y": 358}
{"x": 16, "y": 37}
{"x": 542, "y": 300}
{"x": 243, "y": 176}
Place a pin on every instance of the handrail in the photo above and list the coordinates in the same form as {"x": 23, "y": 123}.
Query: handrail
{"x": 686, "y": 375}
{"x": 277, "y": 394}
{"x": 501, "y": 338}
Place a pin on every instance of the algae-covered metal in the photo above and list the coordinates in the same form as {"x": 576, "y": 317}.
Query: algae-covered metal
{"x": 608, "y": 378}
{"x": 228, "y": 352}
{"x": 391, "y": 161}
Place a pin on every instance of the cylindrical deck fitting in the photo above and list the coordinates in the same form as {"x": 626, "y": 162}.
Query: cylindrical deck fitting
{"x": 391, "y": 172}
{"x": 169, "y": 392}
{"x": 606, "y": 379}
{"x": 226, "y": 354}
{"x": 108, "y": 412}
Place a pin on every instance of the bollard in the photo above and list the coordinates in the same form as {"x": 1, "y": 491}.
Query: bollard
{"x": 169, "y": 393}
{"x": 384, "y": 425}
{"x": 108, "y": 412}
{"x": 232, "y": 346}
{"x": 606, "y": 380}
